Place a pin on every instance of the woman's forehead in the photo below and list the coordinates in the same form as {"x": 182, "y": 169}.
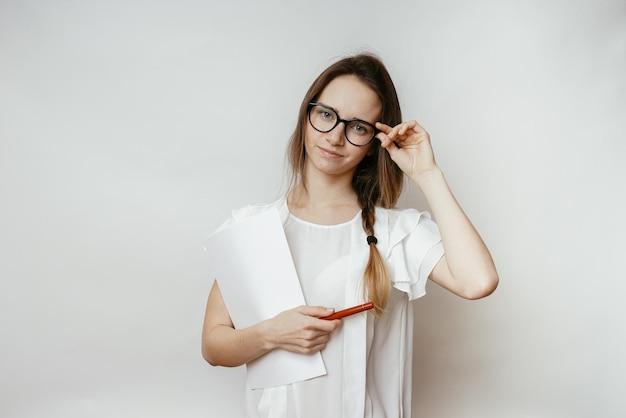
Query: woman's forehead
{"x": 351, "y": 98}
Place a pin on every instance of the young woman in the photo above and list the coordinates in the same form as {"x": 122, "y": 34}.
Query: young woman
{"x": 349, "y": 154}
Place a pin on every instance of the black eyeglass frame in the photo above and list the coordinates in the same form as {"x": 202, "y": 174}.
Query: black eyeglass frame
{"x": 345, "y": 124}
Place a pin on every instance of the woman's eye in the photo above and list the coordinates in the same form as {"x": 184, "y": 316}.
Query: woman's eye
{"x": 326, "y": 114}
{"x": 361, "y": 129}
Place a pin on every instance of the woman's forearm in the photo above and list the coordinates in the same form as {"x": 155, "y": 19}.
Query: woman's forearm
{"x": 299, "y": 330}
{"x": 223, "y": 345}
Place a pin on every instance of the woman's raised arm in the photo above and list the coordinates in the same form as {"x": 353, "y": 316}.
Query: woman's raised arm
{"x": 467, "y": 268}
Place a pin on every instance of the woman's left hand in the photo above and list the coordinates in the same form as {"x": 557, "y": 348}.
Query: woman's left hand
{"x": 409, "y": 147}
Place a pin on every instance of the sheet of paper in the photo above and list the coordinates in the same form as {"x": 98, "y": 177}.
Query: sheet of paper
{"x": 252, "y": 264}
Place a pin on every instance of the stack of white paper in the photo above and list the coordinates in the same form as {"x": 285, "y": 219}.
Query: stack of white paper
{"x": 252, "y": 264}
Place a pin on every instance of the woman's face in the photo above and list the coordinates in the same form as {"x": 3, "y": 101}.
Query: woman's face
{"x": 330, "y": 154}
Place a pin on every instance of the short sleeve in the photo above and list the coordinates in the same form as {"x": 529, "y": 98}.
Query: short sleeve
{"x": 415, "y": 249}
{"x": 232, "y": 219}
{"x": 245, "y": 212}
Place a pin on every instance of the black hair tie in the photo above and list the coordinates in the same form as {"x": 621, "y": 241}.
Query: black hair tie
{"x": 371, "y": 239}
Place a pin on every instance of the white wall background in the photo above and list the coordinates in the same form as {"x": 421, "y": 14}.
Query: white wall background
{"x": 130, "y": 129}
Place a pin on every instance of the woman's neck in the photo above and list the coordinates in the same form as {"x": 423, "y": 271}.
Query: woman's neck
{"x": 323, "y": 202}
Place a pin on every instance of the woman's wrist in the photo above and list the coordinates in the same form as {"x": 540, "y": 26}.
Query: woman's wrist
{"x": 264, "y": 335}
{"x": 428, "y": 179}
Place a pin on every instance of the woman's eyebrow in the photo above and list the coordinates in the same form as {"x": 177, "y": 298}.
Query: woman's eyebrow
{"x": 337, "y": 112}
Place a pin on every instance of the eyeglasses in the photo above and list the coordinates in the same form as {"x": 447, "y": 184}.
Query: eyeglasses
{"x": 324, "y": 119}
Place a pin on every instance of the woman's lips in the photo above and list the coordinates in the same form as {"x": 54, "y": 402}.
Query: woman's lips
{"x": 330, "y": 154}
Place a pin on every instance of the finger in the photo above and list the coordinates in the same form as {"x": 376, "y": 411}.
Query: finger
{"x": 308, "y": 344}
{"x": 316, "y": 311}
{"x": 325, "y": 326}
{"x": 387, "y": 143}
{"x": 304, "y": 350}
{"x": 417, "y": 126}
{"x": 319, "y": 312}
{"x": 384, "y": 139}
{"x": 382, "y": 127}
{"x": 405, "y": 127}
{"x": 315, "y": 339}
{"x": 394, "y": 132}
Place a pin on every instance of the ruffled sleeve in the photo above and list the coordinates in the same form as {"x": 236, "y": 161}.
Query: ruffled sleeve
{"x": 248, "y": 211}
{"x": 414, "y": 248}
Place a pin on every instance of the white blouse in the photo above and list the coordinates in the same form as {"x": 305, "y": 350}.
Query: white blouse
{"x": 368, "y": 359}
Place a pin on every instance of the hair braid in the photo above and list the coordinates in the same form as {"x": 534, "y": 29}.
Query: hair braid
{"x": 376, "y": 279}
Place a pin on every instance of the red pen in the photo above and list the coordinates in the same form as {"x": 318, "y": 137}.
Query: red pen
{"x": 350, "y": 311}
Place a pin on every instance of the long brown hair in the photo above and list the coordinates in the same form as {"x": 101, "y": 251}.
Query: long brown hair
{"x": 377, "y": 180}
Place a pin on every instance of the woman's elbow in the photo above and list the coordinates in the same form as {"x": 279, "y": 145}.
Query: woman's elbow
{"x": 207, "y": 355}
{"x": 216, "y": 356}
{"x": 209, "y": 352}
{"x": 482, "y": 287}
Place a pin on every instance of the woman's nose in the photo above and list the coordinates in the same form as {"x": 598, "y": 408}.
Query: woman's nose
{"x": 336, "y": 136}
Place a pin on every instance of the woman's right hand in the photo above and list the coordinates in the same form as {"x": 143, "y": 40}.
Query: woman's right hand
{"x": 300, "y": 330}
